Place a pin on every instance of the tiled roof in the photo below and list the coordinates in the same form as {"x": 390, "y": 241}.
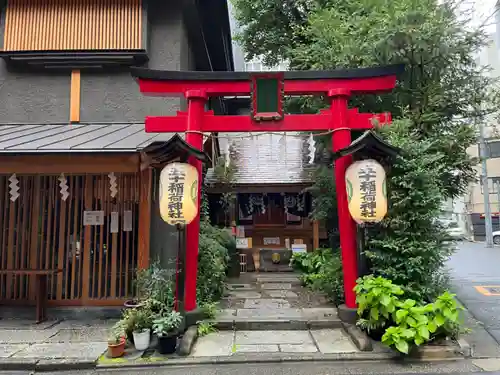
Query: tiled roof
{"x": 267, "y": 158}
{"x": 77, "y": 138}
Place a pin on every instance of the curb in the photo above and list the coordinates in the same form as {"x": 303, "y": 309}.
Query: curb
{"x": 358, "y": 337}
{"x": 45, "y": 365}
{"x": 248, "y": 358}
{"x": 276, "y": 324}
{"x": 282, "y": 357}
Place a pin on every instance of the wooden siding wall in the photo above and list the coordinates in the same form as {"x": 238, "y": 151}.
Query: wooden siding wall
{"x": 41, "y": 231}
{"x": 73, "y": 25}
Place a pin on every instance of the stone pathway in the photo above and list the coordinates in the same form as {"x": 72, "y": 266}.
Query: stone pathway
{"x": 273, "y": 313}
{"x": 71, "y": 340}
{"x": 274, "y": 290}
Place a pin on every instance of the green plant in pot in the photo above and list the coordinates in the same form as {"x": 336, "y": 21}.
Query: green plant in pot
{"x": 142, "y": 323}
{"x": 166, "y": 328}
{"x": 116, "y": 341}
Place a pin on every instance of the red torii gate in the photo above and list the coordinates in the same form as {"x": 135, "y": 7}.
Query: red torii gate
{"x": 338, "y": 86}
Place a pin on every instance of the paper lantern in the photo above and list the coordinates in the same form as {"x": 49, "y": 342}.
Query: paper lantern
{"x": 179, "y": 193}
{"x": 366, "y": 191}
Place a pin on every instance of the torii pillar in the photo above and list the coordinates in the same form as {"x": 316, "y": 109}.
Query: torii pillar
{"x": 267, "y": 91}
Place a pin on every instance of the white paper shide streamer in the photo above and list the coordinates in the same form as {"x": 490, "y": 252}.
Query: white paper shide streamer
{"x": 63, "y": 185}
{"x": 14, "y": 188}
{"x": 312, "y": 148}
{"x": 113, "y": 186}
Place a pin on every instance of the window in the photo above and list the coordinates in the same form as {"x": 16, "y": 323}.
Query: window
{"x": 493, "y": 183}
{"x": 493, "y": 148}
{"x": 73, "y": 25}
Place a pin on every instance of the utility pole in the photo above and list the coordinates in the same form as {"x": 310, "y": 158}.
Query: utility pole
{"x": 483, "y": 154}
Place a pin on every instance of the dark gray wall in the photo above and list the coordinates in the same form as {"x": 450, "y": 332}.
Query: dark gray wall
{"x": 107, "y": 97}
{"x": 479, "y": 227}
{"x": 164, "y": 237}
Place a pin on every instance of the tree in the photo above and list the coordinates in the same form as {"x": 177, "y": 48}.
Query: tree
{"x": 439, "y": 97}
{"x": 437, "y": 47}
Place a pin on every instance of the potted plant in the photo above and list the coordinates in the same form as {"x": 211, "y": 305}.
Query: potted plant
{"x": 167, "y": 329}
{"x": 142, "y": 329}
{"x": 116, "y": 341}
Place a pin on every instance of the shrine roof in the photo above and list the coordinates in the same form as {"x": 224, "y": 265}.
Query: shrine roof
{"x": 267, "y": 158}
{"x": 167, "y": 75}
{"x": 53, "y": 138}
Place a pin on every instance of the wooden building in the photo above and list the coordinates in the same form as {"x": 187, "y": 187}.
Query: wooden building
{"x": 271, "y": 174}
{"x": 77, "y": 181}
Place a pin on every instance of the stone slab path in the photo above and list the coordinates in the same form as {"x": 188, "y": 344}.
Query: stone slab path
{"x": 230, "y": 343}
{"x": 270, "y": 291}
{"x": 22, "y": 339}
{"x": 276, "y": 313}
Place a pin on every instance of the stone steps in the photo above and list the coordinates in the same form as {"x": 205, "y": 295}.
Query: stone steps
{"x": 261, "y": 319}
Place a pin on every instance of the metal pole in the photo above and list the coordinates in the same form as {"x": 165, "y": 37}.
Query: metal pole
{"x": 486, "y": 191}
{"x": 498, "y": 202}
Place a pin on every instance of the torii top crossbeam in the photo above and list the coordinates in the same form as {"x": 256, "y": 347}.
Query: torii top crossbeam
{"x": 268, "y": 116}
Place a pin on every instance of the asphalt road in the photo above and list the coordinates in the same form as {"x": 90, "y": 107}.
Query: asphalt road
{"x": 475, "y": 270}
{"x": 304, "y": 368}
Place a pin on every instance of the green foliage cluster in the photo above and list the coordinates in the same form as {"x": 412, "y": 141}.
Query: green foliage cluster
{"x": 213, "y": 257}
{"x": 410, "y": 246}
{"x": 321, "y": 270}
{"x": 438, "y": 102}
{"x": 383, "y": 307}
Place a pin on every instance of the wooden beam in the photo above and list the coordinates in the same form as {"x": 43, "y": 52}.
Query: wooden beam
{"x": 315, "y": 234}
{"x": 74, "y": 98}
{"x": 322, "y": 121}
{"x": 71, "y": 163}
{"x": 145, "y": 199}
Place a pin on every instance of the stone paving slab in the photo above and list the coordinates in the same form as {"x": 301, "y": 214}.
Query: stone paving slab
{"x": 214, "y": 344}
{"x": 284, "y": 313}
{"x": 272, "y": 303}
{"x": 88, "y": 334}
{"x": 276, "y": 286}
{"x": 298, "y": 348}
{"x": 83, "y": 351}
{"x": 282, "y": 294}
{"x": 16, "y": 336}
{"x": 272, "y": 337}
{"x": 244, "y": 294}
{"x": 7, "y": 350}
{"x": 26, "y": 325}
{"x": 239, "y": 286}
{"x": 333, "y": 341}
{"x": 269, "y": 348}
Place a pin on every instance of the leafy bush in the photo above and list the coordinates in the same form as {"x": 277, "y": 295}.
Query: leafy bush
{"x": 377, "y": 299}
{"x": 212, "y": 263}
{"x": 321, "y": 270}
{"x": 406, "y": 323}
{"x": 409, "y": 246}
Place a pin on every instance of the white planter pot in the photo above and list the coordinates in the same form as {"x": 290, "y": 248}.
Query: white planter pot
{"x": 141, "y": 339}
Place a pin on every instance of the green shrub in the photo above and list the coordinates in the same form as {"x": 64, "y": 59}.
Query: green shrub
{"x": 321, "y": 270}
{"x": 406, "y": 322}
{"x": 212, "y": 263}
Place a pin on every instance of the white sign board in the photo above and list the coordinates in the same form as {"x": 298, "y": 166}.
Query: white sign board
{"x": 299, "y": 248}
{"x": 93, "y": 218}
{"x": 271, "y": 240}
{"x": 127, "y": 221}
{"x": 243, "y": 243}
{"x": 113, "y": 227}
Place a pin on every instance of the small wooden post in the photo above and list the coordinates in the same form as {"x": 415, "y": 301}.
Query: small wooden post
{"x": 143, "y": 254}
{"x": 315, "y": 235}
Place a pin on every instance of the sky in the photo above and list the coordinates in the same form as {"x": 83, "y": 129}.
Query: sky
{"x": 482, "y": 10}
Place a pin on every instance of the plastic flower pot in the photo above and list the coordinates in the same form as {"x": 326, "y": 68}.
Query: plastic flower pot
{"x": 142, "y": 339}
{"x": 116, "y": 350}
{"x": 167, "y": 344}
